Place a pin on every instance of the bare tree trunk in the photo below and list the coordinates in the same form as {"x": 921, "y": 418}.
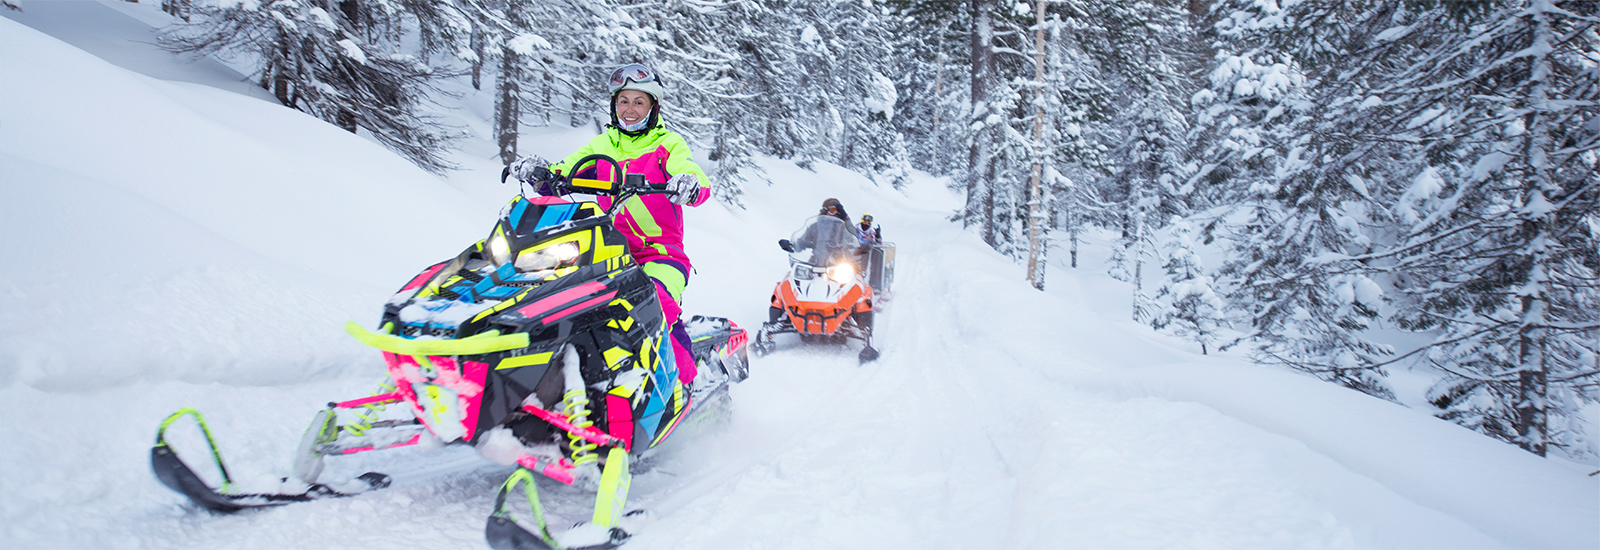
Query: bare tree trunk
{"x": 476, "y": 41}
{"x": 1533, "y": 377}
{"x": 507, "y": 106}
{"x": 980, "y": 157}
{"x": 281, "y": 83}
{"x": 1035, "y": 190}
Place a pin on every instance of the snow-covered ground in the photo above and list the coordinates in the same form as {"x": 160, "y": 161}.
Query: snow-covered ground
{"x": 170, "y": 237}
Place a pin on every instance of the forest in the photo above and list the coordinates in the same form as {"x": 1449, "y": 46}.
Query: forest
{"x": 1342, "y": 187}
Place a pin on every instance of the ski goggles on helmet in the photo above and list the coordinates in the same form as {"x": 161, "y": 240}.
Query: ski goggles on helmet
{"x": 866, "y": 217}
{"x": 630, "y": 73}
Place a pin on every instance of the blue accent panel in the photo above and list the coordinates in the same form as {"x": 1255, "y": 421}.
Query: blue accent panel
{"x": 647, "y": 427}
{"x": 517, "y": 212}
{"x": 556, "y": 214}
{"x": 500, "y": 292}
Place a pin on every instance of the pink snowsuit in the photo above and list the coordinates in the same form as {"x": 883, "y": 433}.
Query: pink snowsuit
{"x": 652, "y": 223}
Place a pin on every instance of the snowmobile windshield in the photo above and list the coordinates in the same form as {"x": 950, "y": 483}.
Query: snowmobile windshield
{"x": 824, "y": 241}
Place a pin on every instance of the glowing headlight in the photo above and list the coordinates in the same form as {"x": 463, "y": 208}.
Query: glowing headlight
{"x": 550, "y": 257}
{"x": 843, "y": 274}
{"x": 499, "y": 249}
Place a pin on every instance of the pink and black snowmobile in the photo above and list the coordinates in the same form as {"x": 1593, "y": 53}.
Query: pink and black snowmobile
{"x": 537, "y": 345}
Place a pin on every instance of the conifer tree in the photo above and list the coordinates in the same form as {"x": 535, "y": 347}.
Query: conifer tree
{"x": 1500, "y": 255}
{"x": 329, "y": 59}
{"x": 1186, "y": 303}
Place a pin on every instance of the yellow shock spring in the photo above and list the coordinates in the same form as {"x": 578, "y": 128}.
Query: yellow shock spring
{"x": 369, "y": 414}
{"x": 576, "y": 406}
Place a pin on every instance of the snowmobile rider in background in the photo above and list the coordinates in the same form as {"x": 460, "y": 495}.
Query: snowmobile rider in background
{"x": 638, "y": 139}
{"x": 818, "y": 232}
{"x": 869, "y": 234}
{"x": 832, "y": 207}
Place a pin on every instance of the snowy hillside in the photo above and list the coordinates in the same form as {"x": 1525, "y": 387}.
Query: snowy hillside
{"x": 170, "y": 238}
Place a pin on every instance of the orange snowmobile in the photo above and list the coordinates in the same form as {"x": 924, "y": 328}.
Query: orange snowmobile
{"x": 825, "y": 297}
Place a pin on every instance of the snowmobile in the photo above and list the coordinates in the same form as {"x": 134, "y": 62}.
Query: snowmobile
{"x": 825, "y": 296}
{"x": 537, "y": 345}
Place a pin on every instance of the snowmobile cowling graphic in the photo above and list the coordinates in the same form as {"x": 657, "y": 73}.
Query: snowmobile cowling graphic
{"x": 541, "y": 346}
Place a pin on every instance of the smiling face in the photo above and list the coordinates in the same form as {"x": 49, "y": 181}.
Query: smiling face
{"x": 633, "y": 106}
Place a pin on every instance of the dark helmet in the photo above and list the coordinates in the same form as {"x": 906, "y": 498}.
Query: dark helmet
{"x": 831, "y": 205}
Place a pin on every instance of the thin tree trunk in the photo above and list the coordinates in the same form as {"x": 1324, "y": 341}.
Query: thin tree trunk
{"x": 476, "y": 41}
{"x": 507, "y": 106}
{"x": 1035, "y": 190}
{"x": 1533, "y": 376}
{"x": 980, "y": 157}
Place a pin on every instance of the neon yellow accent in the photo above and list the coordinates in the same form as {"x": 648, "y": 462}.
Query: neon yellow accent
{"x": 438, "y": 404}
{"x": 586, "y": 183}
{"x": 524, "y": 360}
{"x": 531, "y": 491}
{"x": 669, "y": 276}
{"x": 161, "y": 441}
{"x": 625, "y": 323}
{"x": 615, "y": 357}
{"x": 487, "y": 342}
{"x": 614, "y": 483}
{"x": 624, "y": 392}
{"x": 575, "y": 403}
{"x": 608, "y": 251}
{"x": 369, "y": 413}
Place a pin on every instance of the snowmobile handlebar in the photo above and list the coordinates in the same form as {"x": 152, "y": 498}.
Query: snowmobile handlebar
{"x": 627, "y": 187}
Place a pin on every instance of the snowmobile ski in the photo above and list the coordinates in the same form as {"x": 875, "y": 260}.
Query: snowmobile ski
{"x": 515, "y": 531}
{"x": 176, "y": 475}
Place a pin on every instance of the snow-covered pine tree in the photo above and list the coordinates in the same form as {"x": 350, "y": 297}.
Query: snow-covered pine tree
{"x": 1500, "y": 259}
{"x": 1082, "y": 106}
{"x": 1187, "y": 304}
{"x": 326, "y": 58}
{"x": 857, "y": 34}
{"x": 694, "y": 46}
{"x": 1138, "y": 51}
{"x": 1306, "y": 203}
{"x": 930, "y": 43}
{"x": 984, "y": 121}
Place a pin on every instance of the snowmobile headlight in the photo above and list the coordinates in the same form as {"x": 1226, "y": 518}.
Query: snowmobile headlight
{"x": 499, "y": 249}
{"x": 550, "y": 257}
{"x": 843, "y": 274}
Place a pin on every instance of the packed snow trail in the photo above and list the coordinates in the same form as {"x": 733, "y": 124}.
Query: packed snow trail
{"x": 998, "y": 416}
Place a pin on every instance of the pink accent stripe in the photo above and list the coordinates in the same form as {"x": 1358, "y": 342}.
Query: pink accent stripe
{"x": 559, "y": 471}
{"x": 580, "y": 307}
{"x": 542, "y": 199}
{"x": 423, "y": 277}
{"x": 476, "y": 372}
{"x": 619, "y": 420}
{"x": 413, "y": 441}
{"x": 380, "y": 399}
{"x": 591, "y": 434}
{"x": 560, "y": 298}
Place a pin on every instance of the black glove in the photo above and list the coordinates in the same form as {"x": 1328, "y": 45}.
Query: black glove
{"x": 786, "y": 245}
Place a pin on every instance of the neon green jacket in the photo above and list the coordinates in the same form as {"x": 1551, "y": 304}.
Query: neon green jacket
{"x": 652, "y": 223}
